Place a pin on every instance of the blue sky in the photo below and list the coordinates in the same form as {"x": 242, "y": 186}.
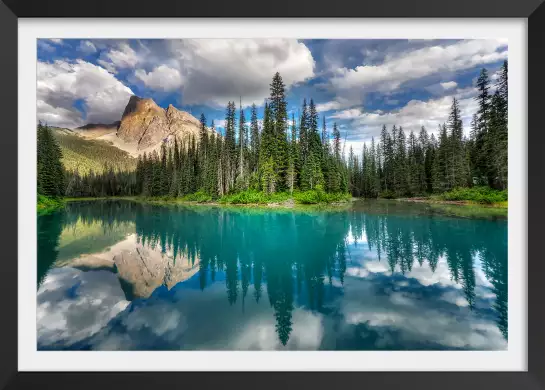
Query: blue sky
{"x": 360, "y": 84}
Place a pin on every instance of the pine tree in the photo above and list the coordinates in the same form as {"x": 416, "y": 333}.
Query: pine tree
{"x": 268, "y": 173}
{"x": 311, "y": 174}
{"x": 351, "y": 170}
{"x": 203, "y": 137}
{"x": 483, "y": 98}
{"x": 441, "y": 163}
{"x": 336, "y": 142}
{"x": 171, "y": 175}
{"x": 212, "y": 164}
{"x": 315, "y": 143}
{"x": 480, "y": 152}
{"x": 50, "y": 173}
{"x": 291, "y": 177}
{"x": 268, "y": 176}
{"x": 413, "y": 165}
{"x": 230, "y": 149}
{"x": 401, "y": 163}
{"x": 387, "y": 156}
{"x": 429, "y": 163}
{"x": 303, "y": 133}
{"x": 457, "y": 173}
{"x": 374, "y": 185}
{"x": 422, "y": 151}
{"x": 242, "y": 183}
{"x": 254, "y": 140}
{"x": 164, "y": 179}
{"x": 502, "y": 133}
{"x": 279, "y": 116}
{"x": 324, "y": 133}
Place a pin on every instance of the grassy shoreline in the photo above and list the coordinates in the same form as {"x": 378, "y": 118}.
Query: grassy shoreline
{"x": 286, "y": 204}
{"x": 476, "y": 197}
{"x": 242, "y": 199}
{"x": 432, "y": 200}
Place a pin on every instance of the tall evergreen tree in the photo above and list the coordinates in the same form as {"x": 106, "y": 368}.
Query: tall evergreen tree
{"x": 422, "y": 151}
{"x": 278, "y": 107}
{"x": 303, "y": 133}
{"x": 401, "y": 163}
{"x": 230, "y": 149}
{"x": 254, "y": 126}
{"x": 242, "y": 182}
{"x": 387, "y": 156}
{"x": 50, "y": 174}
{"x": 336, "y": 142}
{"x": 268, "y": 173}
{"x": 480, "y": 152}
{"x": 457, "y": 173}
{"x": 315, "y": 143}
{"x": 291, "y": 177}
{"x": 441, "y": 162}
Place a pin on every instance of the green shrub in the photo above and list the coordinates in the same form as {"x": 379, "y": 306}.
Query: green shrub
{"x": 278, "y": 197}
{"x": 47, "y": 204}
{"x": 244, "y": 197}
{"x": 319, "y": 196}
{"x": 199, "y": 197}
{"x": 254, "y": 197}
{"x": 302, "y": 197}
{"x": 387, "y": 194}
{"x": 484, "y": 195}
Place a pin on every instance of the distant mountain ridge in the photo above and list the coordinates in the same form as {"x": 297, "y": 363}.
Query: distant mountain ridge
{"x": 144, "y": 126}
{"x": 96, "y": 130}
{"x": 91, "y": 126}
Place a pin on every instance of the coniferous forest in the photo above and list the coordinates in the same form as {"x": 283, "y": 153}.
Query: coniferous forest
{"x": 302, "y": 156}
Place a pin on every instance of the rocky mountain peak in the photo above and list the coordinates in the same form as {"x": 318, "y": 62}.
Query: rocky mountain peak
{"x": 146, "y": 124}
{"x": 138, "y": 105}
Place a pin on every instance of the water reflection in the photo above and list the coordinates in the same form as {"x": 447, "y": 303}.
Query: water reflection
{"x": 353, "y": 279}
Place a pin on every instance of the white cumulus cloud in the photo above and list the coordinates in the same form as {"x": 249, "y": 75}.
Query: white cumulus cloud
{"x": 350, "y": 84}
{"x": 218, "y": 70}
{"x": 415, "y": 114}
{"x": 161, "y": 78}
{"x": 449, "y": 85}
{"x": 61, "y": 84}
{"x": 120, "y": 57}
{"x": 87, "y": 47}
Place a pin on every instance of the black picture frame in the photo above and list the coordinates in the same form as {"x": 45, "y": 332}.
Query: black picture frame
{"x": 11, "y": 10}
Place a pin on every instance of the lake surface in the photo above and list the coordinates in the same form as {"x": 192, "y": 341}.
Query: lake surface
{"x": 375, "y": 275}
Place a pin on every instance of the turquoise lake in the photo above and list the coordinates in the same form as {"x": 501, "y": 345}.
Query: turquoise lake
{"x": 374, "y": 275}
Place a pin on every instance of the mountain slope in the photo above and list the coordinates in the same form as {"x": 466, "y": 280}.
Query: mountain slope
{"x": 83, "y": 154}
{"x": 96, "y": 130}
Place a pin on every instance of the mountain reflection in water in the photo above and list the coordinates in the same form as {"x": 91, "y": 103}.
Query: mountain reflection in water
{"x": 125, "y": 275}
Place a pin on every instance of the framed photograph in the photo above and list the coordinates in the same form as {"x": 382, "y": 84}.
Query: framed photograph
{"x": 212, "y": 193}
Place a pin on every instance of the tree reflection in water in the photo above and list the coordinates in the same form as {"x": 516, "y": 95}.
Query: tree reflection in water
{"x": 294, "y": 255}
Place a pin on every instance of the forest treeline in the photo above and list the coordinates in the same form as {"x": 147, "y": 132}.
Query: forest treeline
{"x": 279, "y": 156}
{"x": 282, "y": 154}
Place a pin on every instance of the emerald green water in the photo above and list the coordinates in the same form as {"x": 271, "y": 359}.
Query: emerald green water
{"x": 376, "y": 275}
